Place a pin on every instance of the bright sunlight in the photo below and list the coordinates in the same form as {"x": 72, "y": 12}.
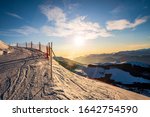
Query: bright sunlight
{"x": 79, "y": 41}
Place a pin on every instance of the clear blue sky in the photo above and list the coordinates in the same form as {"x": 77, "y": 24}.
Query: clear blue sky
{"x": 81, "y": 26}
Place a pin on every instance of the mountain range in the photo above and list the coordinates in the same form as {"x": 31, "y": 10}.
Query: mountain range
{"x": 141, "y": 55}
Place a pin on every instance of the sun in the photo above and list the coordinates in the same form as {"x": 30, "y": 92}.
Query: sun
{"x": 79, "y": 41}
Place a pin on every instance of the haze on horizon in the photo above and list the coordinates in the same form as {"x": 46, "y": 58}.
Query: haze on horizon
{"x": 77, "y": 27}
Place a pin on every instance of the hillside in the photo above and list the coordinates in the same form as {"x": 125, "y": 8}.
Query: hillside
{"x": 25, "y": 74}
{"x": 69, "y": 64}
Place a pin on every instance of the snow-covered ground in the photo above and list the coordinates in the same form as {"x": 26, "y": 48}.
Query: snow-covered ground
{"x": 124, "y": 77}
{"x": 1, "y": 52}
{"x": 94, "y": 72}
{"x": 117, "y": 75}
{"x": 25, "y": 74}
{"x": 4, "y": 48}
{"x": 3, "y": 45}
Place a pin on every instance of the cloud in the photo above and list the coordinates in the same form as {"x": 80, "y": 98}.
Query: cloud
{"x": 53, "y": 14}
{"x": 125, "y": 24}
{"x": 117, "y": 10}
{"x": 25, "y": 30}
{"x": 8, "y": 33}
{"x": 70, "y": 28}
{"x": 14, "y": 15}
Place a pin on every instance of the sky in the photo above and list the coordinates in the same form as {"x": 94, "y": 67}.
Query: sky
{"x": 77, "y": 27}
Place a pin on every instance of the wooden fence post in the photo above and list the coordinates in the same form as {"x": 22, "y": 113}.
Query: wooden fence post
{"x": 51, "y": 59}
{"x": 49, "y": 48}
{"x": 31, "y": 44}
{"x": 39, "y": 46}
{"x": 26, "y": 45}
{"x": 47, "y": 52}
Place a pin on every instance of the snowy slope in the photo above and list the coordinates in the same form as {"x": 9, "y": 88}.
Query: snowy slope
{"x": 3, "y": 45}
{"x": 118, "y": 75}
{"x": 124, "y": 77}
{"x": 96, "y": 72}
{"x": 27, "y": 76}
{"x": 4, "y": 48}
{"x": 134, "y": 77}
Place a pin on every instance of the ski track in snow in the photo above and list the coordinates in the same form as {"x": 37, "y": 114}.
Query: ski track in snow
{"x": 25, "y": 75}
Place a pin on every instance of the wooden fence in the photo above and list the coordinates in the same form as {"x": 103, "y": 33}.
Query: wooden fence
{"x": 49, "y": 53}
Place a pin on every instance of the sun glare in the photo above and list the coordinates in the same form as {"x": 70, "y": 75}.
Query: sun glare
{"x": 79, "y": 41}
